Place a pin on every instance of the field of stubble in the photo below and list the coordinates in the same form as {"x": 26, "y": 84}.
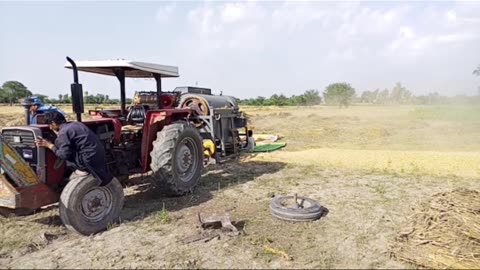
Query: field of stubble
{"x": 368, "y": 165}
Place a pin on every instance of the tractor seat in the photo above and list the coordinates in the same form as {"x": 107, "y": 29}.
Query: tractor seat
{"x": 137, "y": 114}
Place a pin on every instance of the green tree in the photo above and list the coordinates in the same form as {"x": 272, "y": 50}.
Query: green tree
{"x": 99, "y": 98}
{"x": 268, "y": 102}
{"x": 3, "y": 96}
{"x": 339, "y": 94}
{"x": 311, "y": 97}
{"x": 15, "y": 90}
{"x": 298, "y": 100}
{"x": 382, "y": 97}
{"x": 365, "y": 97}
{"x": 400, "y": 94}
{"x": 260, "y": 101}
{"x": 89, "y": 99}
{"x": 369, "y": 96}
{"x": 282, "y": 100}
{"x": 274, "y": 99}
{"x": 67, "y": 98}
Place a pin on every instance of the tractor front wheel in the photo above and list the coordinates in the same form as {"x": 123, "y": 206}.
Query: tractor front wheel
{"x": 87, "y": 208}
{"x": 177, "y": 158}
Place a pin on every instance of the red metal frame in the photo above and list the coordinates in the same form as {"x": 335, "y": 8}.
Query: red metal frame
{"x": 154, "y": 121}
{"x": 54, "y": 177}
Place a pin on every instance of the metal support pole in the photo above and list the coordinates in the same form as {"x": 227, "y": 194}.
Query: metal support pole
{"x": 120, "y": 73}
{"x": 158, "y": 78}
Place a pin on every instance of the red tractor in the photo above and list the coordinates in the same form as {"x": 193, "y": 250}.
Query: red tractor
{"x": 173, "y": 134}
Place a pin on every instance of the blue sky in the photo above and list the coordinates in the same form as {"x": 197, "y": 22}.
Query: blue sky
{"x": 247, "y": 48}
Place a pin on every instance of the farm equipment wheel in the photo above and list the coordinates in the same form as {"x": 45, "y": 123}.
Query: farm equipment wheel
{"x": 177, "y": 158}
{"x": 287, "y": 209}
{"x": 87, "y": 208}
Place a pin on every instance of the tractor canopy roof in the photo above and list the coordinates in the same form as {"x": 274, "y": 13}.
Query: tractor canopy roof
{"x": 133, "y": 69}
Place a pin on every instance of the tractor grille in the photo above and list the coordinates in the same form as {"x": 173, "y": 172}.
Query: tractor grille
{"x": 18, "y": 137}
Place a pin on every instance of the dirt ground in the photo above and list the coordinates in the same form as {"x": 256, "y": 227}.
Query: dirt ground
{"x": 367, "y": 202}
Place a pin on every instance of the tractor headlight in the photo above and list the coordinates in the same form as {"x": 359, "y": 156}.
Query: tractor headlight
{"x": 27, "y": 153}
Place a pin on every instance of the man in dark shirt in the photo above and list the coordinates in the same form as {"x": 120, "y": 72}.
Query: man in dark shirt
{"x": 78, "y": 146}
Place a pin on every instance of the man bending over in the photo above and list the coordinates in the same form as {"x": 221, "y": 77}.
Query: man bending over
{"x": 78, "y": 146}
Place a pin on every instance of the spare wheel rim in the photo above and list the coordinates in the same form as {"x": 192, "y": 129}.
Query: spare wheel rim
{"x": 97, "y": 204}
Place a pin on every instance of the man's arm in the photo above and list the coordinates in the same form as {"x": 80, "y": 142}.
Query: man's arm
{"x": 62, "y": 148}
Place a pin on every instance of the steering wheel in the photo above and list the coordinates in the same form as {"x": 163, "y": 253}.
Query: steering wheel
{"x": 58, "y": 163}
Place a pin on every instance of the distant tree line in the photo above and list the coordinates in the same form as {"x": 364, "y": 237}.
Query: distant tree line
{"x": 400, "y": 95}
{"x": 87, "y": 99}
{"x": 12, "y": 91}
{"x": 310, "y": 97}
{"x": 341, "y": 94}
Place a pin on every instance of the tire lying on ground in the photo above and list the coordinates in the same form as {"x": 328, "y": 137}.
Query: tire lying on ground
{"x": 87, "y": 208}
{"x": 177, "y": 158}
{"x": 309, "y": 209}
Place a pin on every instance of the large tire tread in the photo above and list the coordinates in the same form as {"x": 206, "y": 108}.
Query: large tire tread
{"x": 70, "y": 201}
{"x": 162, "y": 156}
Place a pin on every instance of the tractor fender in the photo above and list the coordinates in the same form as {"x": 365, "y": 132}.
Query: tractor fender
{"x": 155, "y": 120}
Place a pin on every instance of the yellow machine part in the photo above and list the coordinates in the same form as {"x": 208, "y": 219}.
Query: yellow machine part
{"x": 209, "y": 147}
{"x": 13, "y": 164}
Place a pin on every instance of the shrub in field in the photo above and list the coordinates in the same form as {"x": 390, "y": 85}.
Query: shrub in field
{"x": 339, "y": 94}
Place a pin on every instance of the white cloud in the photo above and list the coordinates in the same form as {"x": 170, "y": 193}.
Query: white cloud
{"x": 457, "y": 37}
{"x": 294, "y": 16}
{"x": 451, "y": 16}
{"x": 232, "y": 12}
{"x": 407, "y": 32}
{"x": 307, "y": 33}
{"x": 164, "y": 12}
{"x": 422, "y": 43}
{"x": 202, "y": 20}
{"x": 228, "y": 26}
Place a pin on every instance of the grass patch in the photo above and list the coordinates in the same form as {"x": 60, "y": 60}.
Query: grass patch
{"x": 162, "y": 216}
{"x": 379, "y": 188}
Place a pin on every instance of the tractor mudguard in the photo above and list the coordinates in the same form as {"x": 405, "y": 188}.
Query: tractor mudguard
{"x": 25, "y": 190}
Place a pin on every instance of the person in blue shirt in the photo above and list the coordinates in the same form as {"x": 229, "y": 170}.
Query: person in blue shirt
{"x": 39, "y": 108}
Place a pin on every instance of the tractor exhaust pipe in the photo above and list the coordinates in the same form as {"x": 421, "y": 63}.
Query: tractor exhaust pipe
{"x": 77, "y": 92}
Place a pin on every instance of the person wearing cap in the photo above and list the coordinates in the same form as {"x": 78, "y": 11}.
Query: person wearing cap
{"x": 78, "y": 146}
{"x": 39, "y": 108}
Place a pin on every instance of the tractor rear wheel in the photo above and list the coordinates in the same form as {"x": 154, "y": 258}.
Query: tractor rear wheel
{"x": 87, "y": 208}
{"x": 177, "y": 158}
